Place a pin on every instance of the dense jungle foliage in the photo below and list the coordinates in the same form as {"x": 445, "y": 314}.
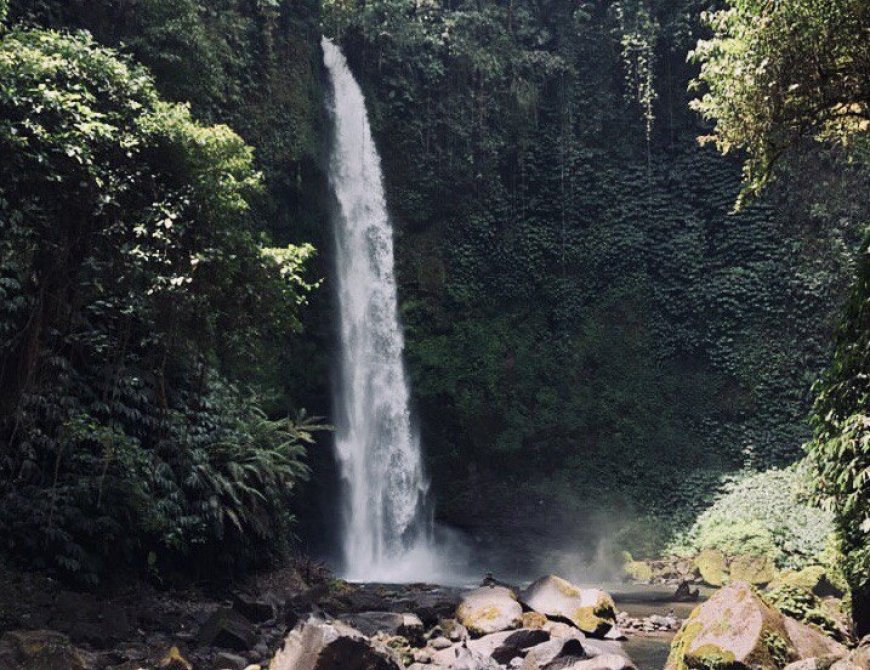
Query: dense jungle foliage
{"x": 597, "y": 338}
{"x": 143, "y": 296}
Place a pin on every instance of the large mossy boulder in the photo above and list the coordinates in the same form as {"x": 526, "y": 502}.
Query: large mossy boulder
{"x": 591, "y": 610}
{"x": 712, "y": 566}
{"x": 755, "y": 570}
{"x": 316, "y": 644}
{"x": 734, "y": 629}
{"x": 489, "y": 609}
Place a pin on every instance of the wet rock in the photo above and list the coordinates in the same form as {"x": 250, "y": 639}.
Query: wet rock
{"x": 712, "y": 566}
{"x": 591, "y": 610}
{"x": 228, "y": 629}
{"x": 38, "y": 650}
{"x": 504, "y": 646}
{"x": 319, "y": 645}
{"x": 489, "y": 609}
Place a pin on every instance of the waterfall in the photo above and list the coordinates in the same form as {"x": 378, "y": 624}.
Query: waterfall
{"x": 386, "y": 525}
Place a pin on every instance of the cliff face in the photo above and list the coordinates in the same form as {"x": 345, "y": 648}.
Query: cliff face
{"x": 588, "y": 325}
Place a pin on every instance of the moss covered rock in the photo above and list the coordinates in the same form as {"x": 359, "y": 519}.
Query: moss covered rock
{"x": 489, "y": 609}
{"x": 713, "y": 567}
{"x": 591, "y": 610}
{"x": 813, "y": 578}
{"x": 756, "y": 570}
{"x": 734, "y": 629}
{"x": 638, "y": 571}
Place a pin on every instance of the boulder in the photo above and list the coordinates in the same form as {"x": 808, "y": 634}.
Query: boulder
{"x": 591, "y": 610}
{"x": 553, "y": 655}
{"x": 603, "y": 662}
{"x": 391, "y": 623}
{"x": 534, "y": 620}
{"x": 809, "y": 642}
{"x": 252, "y": 609}
{"x": 227, "y": 661}
{"x": 559, "y": 630}
{"x": 823, "y": 663}
{"x": 712, "y": 566}
{"x": 228, "y": 629}
{"x": 734, "y": 628}
{"x": 316, "y": 644}
{"x": 504, "y": 646}
{"x": 755, "y": 570}
{"x": 489, "y": 609}
{"x": 38, "y": 650}
{"x": 461, "y": 657}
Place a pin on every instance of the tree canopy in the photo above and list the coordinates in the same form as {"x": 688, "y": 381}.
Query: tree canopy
{"x": 135, "y": 287}
{"x": 776, "y": 74}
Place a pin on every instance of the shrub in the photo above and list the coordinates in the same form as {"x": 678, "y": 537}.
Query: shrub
{"x": 762, "y": 513}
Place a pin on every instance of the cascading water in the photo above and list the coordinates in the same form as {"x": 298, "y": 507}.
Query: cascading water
{"x": 387, "y": 527}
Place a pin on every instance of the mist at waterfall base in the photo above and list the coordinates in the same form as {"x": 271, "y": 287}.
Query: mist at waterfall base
{"x": 388, "y": 532}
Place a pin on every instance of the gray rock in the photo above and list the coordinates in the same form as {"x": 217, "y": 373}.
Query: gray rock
{"x": 440, "y": 643}
{"x": 602, "y": 662}
{"x": 316, "y": 644}
{"x": 507, "y": 645}
{"x": 603, "y": 647}
{"x": 822, "y": 663}
{"x": 391, "y": 623}
{"x": 228, "y": 629}
{"x": 554, "y": 654}
{"x": 460, "y": 657}
{"x": 458, "y": 632}
{"x": 489, "y": 609}
{"x": 252, "y": 609}
{"x": 227, "y": 661}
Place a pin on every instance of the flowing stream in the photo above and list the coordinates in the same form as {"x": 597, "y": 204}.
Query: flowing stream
{"x": 387, "y": 525}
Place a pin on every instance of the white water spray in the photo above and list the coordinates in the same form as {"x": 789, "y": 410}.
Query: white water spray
{"x": 387, "y": 525}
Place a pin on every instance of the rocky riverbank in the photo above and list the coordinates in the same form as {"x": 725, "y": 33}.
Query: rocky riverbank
{"x": 300, "y": 618}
